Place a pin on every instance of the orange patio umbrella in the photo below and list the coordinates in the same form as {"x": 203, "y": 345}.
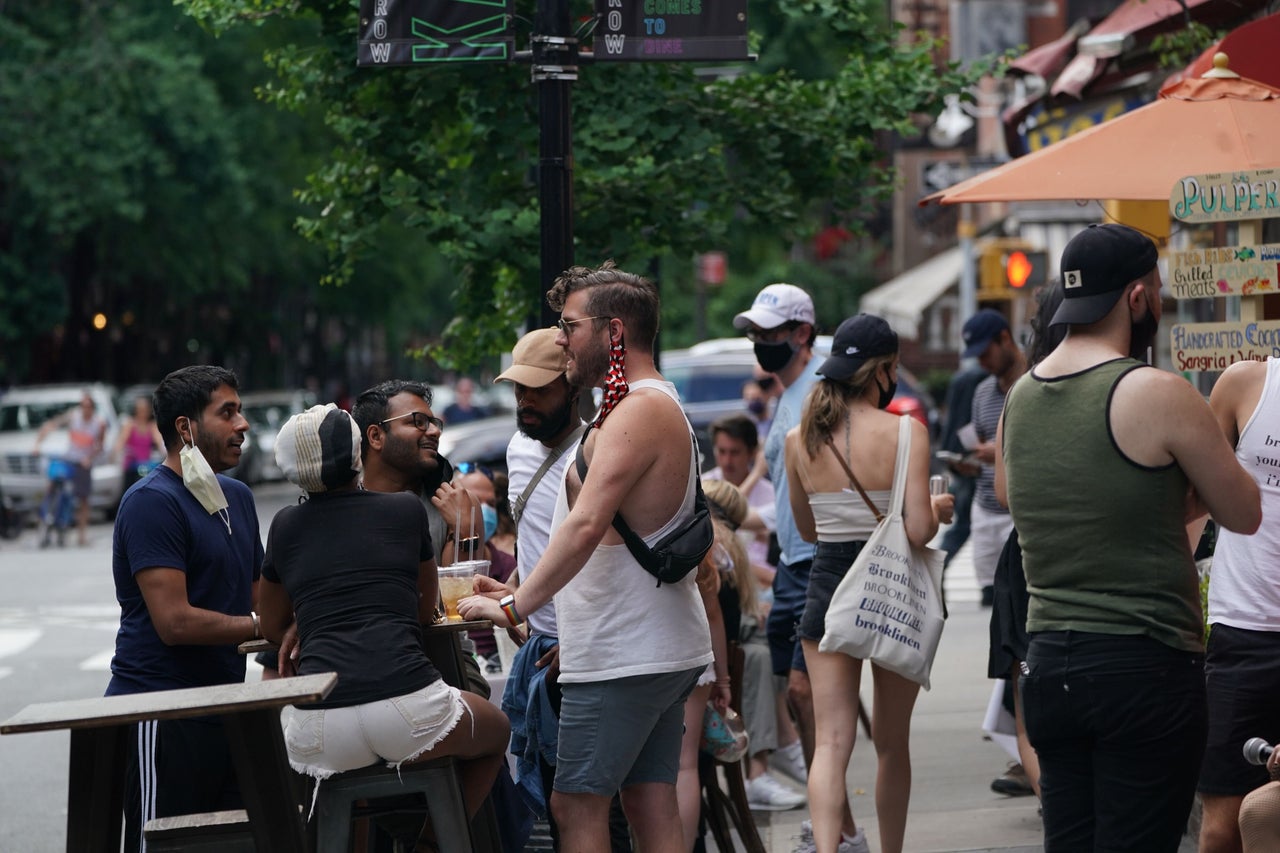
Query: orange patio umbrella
{"x": 1220, "y": 122}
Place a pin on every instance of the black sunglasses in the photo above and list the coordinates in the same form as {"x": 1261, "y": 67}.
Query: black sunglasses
{"x": 419, "y": 419}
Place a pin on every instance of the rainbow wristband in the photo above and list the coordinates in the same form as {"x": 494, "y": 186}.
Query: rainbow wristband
{"x": 508, "y": 605}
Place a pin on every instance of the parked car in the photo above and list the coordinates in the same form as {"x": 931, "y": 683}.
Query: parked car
{"x": 484, "y": 441}
{"x": 266, "y": 412}
{"x": 709, "y": 377}
{"x": 23, "y": 473}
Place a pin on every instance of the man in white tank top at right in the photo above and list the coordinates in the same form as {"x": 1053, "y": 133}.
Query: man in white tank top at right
{"x": 1105, "y": 459}
{"x": 1242, "y": 658}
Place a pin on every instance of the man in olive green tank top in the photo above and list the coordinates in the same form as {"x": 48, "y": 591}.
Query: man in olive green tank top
{"x": 1104, "y": 460}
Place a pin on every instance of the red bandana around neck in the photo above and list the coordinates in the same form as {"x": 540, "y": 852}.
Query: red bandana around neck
{"x": 615, "y": 382}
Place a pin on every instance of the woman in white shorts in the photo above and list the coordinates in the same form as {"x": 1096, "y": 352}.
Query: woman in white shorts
{"x": 358, "y": 572}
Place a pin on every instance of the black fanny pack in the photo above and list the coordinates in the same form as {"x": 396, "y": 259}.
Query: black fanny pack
{"x": 681, "y": 550}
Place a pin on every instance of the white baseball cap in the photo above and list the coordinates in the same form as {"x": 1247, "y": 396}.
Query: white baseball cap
{"x": 777, "y": 304}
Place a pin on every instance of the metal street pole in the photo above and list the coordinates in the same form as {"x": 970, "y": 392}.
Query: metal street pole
{"x": 555, "y": 68}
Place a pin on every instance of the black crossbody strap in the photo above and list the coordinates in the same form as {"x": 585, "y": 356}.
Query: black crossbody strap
{"x": 636, "y": 545}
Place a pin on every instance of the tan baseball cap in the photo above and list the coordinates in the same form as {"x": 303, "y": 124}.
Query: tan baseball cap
{"x": 536, "y": 360}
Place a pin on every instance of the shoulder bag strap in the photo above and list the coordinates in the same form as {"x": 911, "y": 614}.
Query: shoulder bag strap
{"x": 517, "y": 506}
{"x": 898, "y": 495}
{"x": 854, "y": 481}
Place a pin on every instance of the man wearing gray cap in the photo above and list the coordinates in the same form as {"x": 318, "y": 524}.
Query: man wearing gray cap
{"x": 1104, "y": 460}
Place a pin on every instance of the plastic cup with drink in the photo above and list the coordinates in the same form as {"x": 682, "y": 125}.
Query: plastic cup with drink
{"x": 457, "y": 582}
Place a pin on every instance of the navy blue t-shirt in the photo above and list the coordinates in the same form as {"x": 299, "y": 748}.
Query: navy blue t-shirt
{"x": 162, "y": 525}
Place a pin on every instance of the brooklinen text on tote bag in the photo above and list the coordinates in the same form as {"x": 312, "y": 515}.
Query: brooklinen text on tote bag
{"x": 888, "y": 607}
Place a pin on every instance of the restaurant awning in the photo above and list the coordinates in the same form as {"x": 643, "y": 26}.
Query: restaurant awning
{"x": 902, "y": 300}
{"x": 1133, "y": 24}
{"x": 1252, "y": 49}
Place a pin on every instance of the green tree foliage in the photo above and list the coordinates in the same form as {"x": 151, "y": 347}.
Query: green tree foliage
{"x": 667, "y": 163}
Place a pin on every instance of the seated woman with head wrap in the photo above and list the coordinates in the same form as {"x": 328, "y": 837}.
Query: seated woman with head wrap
{"x": 358, "y": 571}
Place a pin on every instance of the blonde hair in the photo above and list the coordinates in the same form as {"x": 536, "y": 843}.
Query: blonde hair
{"x": 733, "y": 504}
{"x": 828, "y": 402}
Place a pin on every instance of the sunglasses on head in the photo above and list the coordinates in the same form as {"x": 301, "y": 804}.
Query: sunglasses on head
{"x": 475, "y": 467}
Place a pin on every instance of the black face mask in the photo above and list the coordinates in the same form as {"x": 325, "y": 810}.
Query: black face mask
{"x": 772, "y": 357}
{"x": 1142, "y": 335}
{"x": 886, "y": 394}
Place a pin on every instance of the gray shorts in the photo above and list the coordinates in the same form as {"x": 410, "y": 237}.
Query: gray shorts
{"x": 622, "y": 732}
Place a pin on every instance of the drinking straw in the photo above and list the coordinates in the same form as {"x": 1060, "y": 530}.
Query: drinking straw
{"x": 472, "y": 546}
{"x": 457, "y": 532}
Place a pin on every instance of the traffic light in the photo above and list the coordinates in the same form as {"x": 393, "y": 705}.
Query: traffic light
{"x": 1025, "y": 267}
{"x": 1009, "y": 265}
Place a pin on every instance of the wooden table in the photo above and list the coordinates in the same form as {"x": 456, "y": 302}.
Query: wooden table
{"x": 250, "y": 713}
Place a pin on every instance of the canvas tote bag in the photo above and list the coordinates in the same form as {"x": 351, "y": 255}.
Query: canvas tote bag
{"x": 888, "y": 607}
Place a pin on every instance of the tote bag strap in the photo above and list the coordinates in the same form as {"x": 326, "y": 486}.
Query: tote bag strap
{"x": 900, "y": 466}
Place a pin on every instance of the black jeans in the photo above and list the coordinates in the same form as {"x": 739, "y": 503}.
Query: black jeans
{"x": 1119, "y": 725}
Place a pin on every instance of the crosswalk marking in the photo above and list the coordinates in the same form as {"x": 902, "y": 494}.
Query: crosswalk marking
{"x": 101, "y": 662}
{"x": 15, "y": 641}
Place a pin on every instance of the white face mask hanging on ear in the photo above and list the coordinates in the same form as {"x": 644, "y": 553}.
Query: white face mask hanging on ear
{"x": 200, "y": 480}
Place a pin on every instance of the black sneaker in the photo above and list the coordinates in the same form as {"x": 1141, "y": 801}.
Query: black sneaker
{"x": 1013, "y": 783}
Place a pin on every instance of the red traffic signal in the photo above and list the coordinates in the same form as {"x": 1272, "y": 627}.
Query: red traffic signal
{"x": 1023, "y": 268}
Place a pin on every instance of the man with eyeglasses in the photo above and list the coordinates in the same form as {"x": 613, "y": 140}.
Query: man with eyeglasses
{"x": 401, "y": 440}
{"x": 630, "y": 650}
{"x": 781, "y": 325}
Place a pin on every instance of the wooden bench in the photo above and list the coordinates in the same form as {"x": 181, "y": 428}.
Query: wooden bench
{"x": 211, "y": 832}
{"x": 250, "y": 713}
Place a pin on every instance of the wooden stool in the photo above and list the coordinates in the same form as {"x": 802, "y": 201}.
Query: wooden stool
{"x": 437, "y": 780}
{"x": 726, "y": 808}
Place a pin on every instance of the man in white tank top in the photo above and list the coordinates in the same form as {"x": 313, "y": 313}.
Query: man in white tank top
{"x": 1242, "y": 659}
{"x": 630, "y": 650}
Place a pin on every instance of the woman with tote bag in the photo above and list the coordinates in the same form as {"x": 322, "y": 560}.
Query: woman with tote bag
{"x": 845, "y": 430}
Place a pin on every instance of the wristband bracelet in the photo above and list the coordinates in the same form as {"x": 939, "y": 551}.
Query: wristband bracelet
{"x": 257, "y": 624}
{"x": 508, "y": 605}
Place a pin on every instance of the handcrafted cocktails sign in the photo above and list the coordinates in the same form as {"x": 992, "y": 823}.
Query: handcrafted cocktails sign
{"x": 667, "y": 30}
{"x": 1227, "y": 196}
{"x": 1215, "y": 346}
{"x": 414, "y": 32}
{"x": 1225, "y": 271}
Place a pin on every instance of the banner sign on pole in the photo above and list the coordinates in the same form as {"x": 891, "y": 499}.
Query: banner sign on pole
{"x": 670, "y": 30}
{"x": 1225, "y": 271}
{"x": 415, "y": 32}
{"x": 1216, "y": 346}
{"x": 1227, "y": 196}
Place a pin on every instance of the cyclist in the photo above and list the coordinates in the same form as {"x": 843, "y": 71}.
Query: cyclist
{"x": 87, "y": 430}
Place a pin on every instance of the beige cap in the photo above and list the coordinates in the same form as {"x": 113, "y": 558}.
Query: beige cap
{"x": 535, "y": 360}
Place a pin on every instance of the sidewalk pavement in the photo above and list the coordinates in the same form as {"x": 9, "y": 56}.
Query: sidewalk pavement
{"x": 952, "y": 805}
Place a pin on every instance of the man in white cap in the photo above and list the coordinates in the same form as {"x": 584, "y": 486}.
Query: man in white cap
{"x": 780, "y": 323}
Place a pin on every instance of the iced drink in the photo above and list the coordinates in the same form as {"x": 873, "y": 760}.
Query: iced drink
{"x": 458, "y": 582}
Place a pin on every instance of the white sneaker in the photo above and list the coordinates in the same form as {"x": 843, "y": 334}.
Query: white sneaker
{"x": 856, "y": 844}
{"x": 766, "y": 793}
{"x": 789, "y": 760}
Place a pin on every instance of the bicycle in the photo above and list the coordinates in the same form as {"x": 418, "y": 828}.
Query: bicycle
{"x": 57, "y": 509}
